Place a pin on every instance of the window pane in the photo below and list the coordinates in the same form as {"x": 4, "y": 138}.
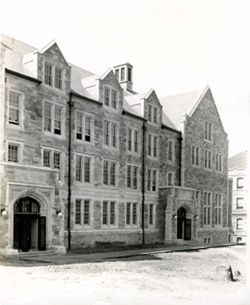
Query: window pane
{"x": 79, "y": 126}
{"x": 87, "y": 128}
{"x": 149, "y": 113}
{"x": 87, "y": 161}
{"x": 78, "y": 168}
{"x": 155, "y": 115}
{"x": 155, "y": 146}
{"x": 114, "y": 135}
{"x": 57, "y": 120}
{"x": 122, "y": 74}
{"x": 149, "y": 144}
{"x": 136, "y": 140}
{"x": 106, "y": 132}
{"x": 106, "y": 96}
{"x": 58, "y": 78}
{"x": 78, "y": 212}
{"x": 13, "y": 153}
{"x": 14, "y": 108}
{"x": 47, "y": 116}
{"x": 86, "y": 213}
{"x": 114, "y": 99}
{"x": 128, "y": 213}
{"x": 105, "y": 172}
{"x": 48, "y": 74}
{"x": 112, "y": 174}
{"x": 130, "y": 139}
{"x": 151, "y": 210}
{"x": 105, "y": 213}
{"x": 135, "y": 177}
{"x": 149, "y": 180}
{"x": 134, "y": 213}
{"x": 112, "y": 212}
{"x": 46, "y": 158}
{"x": 154, "y": 181}
{"x": 129, "y": 175}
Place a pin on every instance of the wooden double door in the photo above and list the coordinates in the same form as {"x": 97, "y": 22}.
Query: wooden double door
{"x": 29, "y": 226}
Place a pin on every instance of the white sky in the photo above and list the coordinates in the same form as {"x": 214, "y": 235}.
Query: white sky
{"x": 174, "y": 45}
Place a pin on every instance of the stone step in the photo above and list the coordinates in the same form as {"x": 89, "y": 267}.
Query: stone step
{"x": 36, "y": 253}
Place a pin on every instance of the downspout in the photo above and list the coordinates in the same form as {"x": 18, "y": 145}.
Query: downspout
{"x": 180, "y": 160}
{"x": 143, "y": 181}
{"x": 69, "y": 170}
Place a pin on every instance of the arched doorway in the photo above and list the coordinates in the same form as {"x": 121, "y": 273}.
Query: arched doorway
{"x": 29, "y": 226}
{"x": 183, "y": 225}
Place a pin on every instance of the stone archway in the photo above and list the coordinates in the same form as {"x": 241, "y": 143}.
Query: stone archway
{"x": 184, "y": 224}
{"x": 29, "y": 226}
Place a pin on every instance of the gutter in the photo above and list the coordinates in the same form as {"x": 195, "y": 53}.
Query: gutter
{"x": 32, "y": 79}
{"x": 71, "y": 104}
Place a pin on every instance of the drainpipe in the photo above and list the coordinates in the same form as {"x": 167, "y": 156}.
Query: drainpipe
{"x": 143, "y": 181}
{"x": 69, "y": 170}
{"x": 180, "y": 160}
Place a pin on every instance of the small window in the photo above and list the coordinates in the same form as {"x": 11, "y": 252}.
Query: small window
{"x": 135, "y": 177}
{"x": 109, "y": 213}
{"x": 151, "y": 214}
{"x": 117, "y": 73}
{"x": 239, "y": 183}
{"x": 114, "y": 135}
{"x": 114, "y": 99}
{"x": 149, "y": 144}
{"x": 150, "y": 113}
{"x": 58, "y": 78}
{"x": 82, "y": 212}
{"x": 239, "y": 203}
{"x": 58, "y": 120}
{"x": 106, "y": 96}
{"x": 218, "y": 162}
{"x": 78, "y": 168}
{"x": 106, "y": 132}
{"x": 13, "y": 152}
{"x": 122, "y": 74}
{"x": 208, "y": 131}
{"x": 155, "y": 146}
{"x": 47, "y": 116}
{"x": 112, "y": 173}
{"x": 239, "y": 224}
{"x": 87, "y": 128}
{"x": 129, "y": 74}
{"x": 132, "y": 213}
{"x": 170, "y": 154}
{"x": 46, "y": 158}
{"x": 130, "y": 139}
{"x": 208, "y": 159}
{"x": 129, "y": 168}
{"x": 48, "y": 74}
{"x": 154, "y": 180}
{"x": 155, "y": 111}
{"x": 14, "y": 108}
{"x": 79, "y": 117}
{"x": 87, "y": 163}
{"x": 195, "y": 156}
{"x": 136, "y": 136}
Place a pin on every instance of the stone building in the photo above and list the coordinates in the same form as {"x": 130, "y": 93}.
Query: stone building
{"x": 237, "y": 171}
{"x": 86, "y": 161}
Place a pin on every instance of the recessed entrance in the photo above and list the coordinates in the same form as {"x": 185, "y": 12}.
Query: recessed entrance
{"x": 183, "y": 225}
{"x": 29, "y": 226}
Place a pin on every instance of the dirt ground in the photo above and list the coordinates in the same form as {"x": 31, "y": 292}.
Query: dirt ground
{"x": 181, "y": 278}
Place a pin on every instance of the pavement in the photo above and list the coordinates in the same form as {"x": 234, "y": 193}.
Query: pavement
{"x": 77, "y": 258}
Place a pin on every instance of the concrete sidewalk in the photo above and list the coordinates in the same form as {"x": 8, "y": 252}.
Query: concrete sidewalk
{"x": 76, "y": 258}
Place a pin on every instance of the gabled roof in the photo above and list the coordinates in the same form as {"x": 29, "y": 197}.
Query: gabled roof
{"x": 176, "y": 107}
{"x": 238, "y": 162}
{"x": 50, "y": 45}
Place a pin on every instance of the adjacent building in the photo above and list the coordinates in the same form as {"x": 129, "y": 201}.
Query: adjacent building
{"x": 237, "y": 171}
{"x": 87, "y": 161}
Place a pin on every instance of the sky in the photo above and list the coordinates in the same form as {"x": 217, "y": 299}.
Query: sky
{"x": 174, "y": 46}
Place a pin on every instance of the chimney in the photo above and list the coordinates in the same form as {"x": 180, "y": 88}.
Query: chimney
{"x": 124, "y": 76}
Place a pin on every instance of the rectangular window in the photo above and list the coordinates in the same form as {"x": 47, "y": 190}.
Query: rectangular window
{"x": 135, "y": 177}
{"x": 149, "y": 144}
{"x": 47, "y": 116}
{"x": 208, "y": 131}
{"x": 112, "y": 213}
{"x": 108, "y": 213}
{"x": 117, "y": 73}
{"x": 87, "y": 161}
{"x": 105, "y": 213}
{"x": 136, "y": 135}
{"x": 208, "y": 159}
{"x": 114, "y": 135}
{"x": 14, "y": 106}
{"x": 149, "y": 113}
{"x": 86, "y": 212}
{"x": 218, "y": 209}
{"x": 218, "y": 162}
{"x": 155, "y": 115}
{"x": 79, "y": 118}
{"x": 78, "y": 169}
{"x": 106, "y": 132}
{"x": 112, "y": 173}
{"x": 134, "y": 220}
{"x": 78, "y": 212}
{"x": 46, "y": 158}
{"x": 170, "y": 154}
{"x": 106, "y": 96}
{"x": 129, "y": 168}
{"x": 105, "y": 172}
{"x": 207, "y": 208}
{"x": 58, "y": 78}
{"x": 48, "y": 74}
{"x": 151, "y": 214}
{"x": 87, "y": 128}
{"x": 155, "y": 146}
{"x": 149, "y": 179}
{"x": 195, "y": 156}
{"x": 114, "y": 99}
{"x": 13, "y": 153}
{"x": 122, "y": 74}
{"x": 58, "y": 120}
{"x": 57, "y": 160}
{"x": 129, "y": 74}
{"x": 154, "y": 180}
{"x": 130, "y": 139}
{"x": 128, "y": 213}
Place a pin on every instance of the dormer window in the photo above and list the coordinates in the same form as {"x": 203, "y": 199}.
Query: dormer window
{"x": 152, "y": 114}
{"x": 110, "y": 97}
{"x": 123, "y": 74}
{"x": 53, "y": 76}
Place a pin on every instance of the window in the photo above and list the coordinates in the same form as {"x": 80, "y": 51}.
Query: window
{"x": 114, "y": 99}
{"x": 117, "y": 73}
{"x": 58, "y": 78}
{"x": 239, "y": 224}
{"x": 106, "y": 96}
{"x": 13, "y": 152}
{"x": 79, "y": 119}
{"x": 132, "y": 213}
{"x": 132, "y": 176}
{"x": 58, "y": 120}
{"x": 84, "y": 123}
{"x": 170, "y": 154}
{"x": 155, "y": 115}
{"x": 52, "y": 159}
{"x": 207, "y": 208}
{"x": 109, "y": 213}
{"x": 111, "y": 134}
{"x": 151, "y": 180}
{"x": 129, "y": 74}
{"x": 170, "y": 178}
{"x": 87, "y": 128}
{"x": 135, "y": 177}
{"x": 239, "y": 183}
{"x": 208, "y": 131}
{"x": 208, "y": 159}
{"x": 83, "y": 169}
{"x": 48, "y": 74}
{"x": 218, "y": 209}
{"x": 78, "y": 168}
{"x": 151, "y": 214}
{"x": 53, "y": 118}
{"x": 53, "y": 76}
{"x": 82, "y": 212}
{"x": 195, "y": 156}
{"x": 14, "y": 108}
{"x": 133, "y": 140}
{"x": 218, "y": 162}
{"x": 239, "y": 203}
{"x": 152, "y": 145}
{"x": 109, "y": 173}
{"x": 122, "y": 74}
{"x": 152, "y": 114}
